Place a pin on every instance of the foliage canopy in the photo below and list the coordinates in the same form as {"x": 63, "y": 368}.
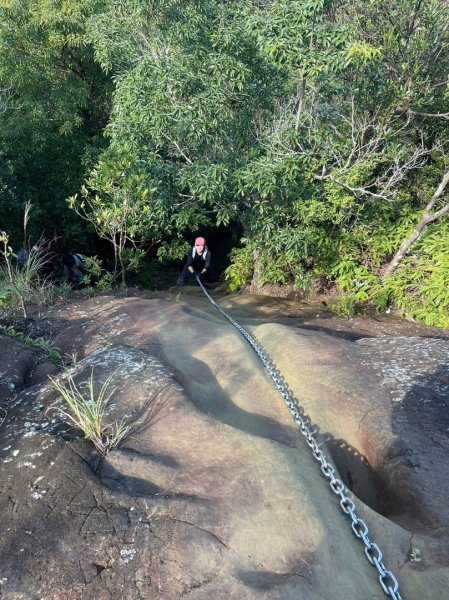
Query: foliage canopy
{"x": 318, "y": 126}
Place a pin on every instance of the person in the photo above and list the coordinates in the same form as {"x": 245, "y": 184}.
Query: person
{"x": 198, "y": 262}
{"x": 22, "y": 257}
{"x": 43, "y": 259}
{"x": 74, "y": 267}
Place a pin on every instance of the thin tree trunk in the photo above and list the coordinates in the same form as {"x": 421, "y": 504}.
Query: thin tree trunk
{"x": 255, "y": 286}
{"x": 301, "y": 89}
{"x": 122, "y": 264}
{"x": 115, "y": 265}
{"x": 6, "y": 254}
{"x": 427, "y": 217}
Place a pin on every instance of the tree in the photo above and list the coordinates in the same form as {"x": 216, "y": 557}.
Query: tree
{"x": 319, "y": 125}
{"x": 117, "y": 204}
{"x": 189, "y": 89}
{"x": 55, "y": 102}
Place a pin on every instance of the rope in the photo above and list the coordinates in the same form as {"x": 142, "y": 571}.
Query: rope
{"x": 373, "y": 553}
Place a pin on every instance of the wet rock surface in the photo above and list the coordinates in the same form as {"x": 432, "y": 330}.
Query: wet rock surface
{"x": 213, "y": 492}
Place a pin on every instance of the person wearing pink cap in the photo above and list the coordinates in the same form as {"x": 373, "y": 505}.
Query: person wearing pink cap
{"x": 198, "y": 262}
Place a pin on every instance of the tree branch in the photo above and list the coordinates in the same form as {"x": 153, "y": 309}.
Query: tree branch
{"x": 416, "y": 113}
{"x": 176, "y": 145}
{"x": 426, "y": 218}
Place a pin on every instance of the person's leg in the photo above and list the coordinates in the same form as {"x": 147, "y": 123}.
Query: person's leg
{"x": 65, "y": 274}
{"x": 77, "y": 276}
{"x": 183, "y": 276}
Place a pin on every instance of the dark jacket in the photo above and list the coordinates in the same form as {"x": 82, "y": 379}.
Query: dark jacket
{"x": 198, "y": 261}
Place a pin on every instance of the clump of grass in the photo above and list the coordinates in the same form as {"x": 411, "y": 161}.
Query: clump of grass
{"x": 46, "y": 349}
{"x": 87, "y": 410}
{"x": 345, "y": 306}
{"x": 20, "y": 287}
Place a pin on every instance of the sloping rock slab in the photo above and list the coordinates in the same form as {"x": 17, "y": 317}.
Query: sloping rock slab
{"x": 17, "y": 362}
{"x": 213, "y": 493}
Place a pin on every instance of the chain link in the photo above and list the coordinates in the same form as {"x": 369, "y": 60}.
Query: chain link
{"x": 373, "y": 553}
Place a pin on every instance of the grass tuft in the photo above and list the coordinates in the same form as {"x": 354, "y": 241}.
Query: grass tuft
{"x": 87, "y": 410}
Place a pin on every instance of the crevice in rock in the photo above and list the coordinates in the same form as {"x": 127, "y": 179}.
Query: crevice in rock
{"x": 215, "y": 537}
{"x": 268, "y": 580}
{"x": 199, "y": 584}
{"x": 381, "y": 489}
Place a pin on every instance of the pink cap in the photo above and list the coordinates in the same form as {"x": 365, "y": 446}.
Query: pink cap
{"x": 200, "y": 241}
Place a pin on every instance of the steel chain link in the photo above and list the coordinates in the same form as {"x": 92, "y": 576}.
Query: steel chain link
{"x": 373, "y": 553}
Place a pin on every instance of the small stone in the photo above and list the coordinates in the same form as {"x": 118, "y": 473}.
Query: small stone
{"x": 415, "y": 555}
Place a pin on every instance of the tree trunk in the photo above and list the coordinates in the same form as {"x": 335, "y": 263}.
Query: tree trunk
{"x": 255, "y": 286}
{"x": 427, "y": 217}
{"x": 115, "y": 265}
{"x": 121, "y": 247}
{"x": 122, "y": 266}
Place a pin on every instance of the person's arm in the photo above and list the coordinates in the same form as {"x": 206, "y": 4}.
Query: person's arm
{"x": 206, "y": 262}
{"x": 190, "y": 262}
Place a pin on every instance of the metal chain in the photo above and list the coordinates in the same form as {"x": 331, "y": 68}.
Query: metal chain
{"x": 373, "y": 553}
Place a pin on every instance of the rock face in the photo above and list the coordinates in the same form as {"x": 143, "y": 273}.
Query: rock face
{"x": 213, "y": 492}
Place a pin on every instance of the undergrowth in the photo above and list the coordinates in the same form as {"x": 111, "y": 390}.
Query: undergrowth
{"x": 46, "y": 350}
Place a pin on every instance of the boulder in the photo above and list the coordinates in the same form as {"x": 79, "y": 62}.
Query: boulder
{"x": 213, "y": 492}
